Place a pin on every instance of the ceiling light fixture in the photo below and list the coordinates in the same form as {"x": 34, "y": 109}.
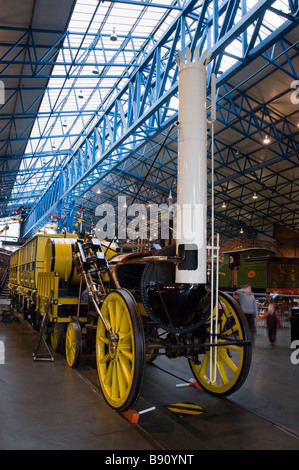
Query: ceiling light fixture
{"x": 80, "y": 95}
{"x": 241, "y": 231}
{"x": 266, "y": 140}
{"x": 254, "y": 196}
{"x": 113, "y": 36}
{"x": 223, "y": 205}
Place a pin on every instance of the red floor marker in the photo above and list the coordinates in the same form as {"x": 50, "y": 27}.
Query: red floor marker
{"x": 131, "y": 415}
{"x": 195, "y": 384}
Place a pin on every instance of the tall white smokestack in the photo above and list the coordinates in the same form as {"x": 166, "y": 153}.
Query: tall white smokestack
{"x": 192, "y": 171}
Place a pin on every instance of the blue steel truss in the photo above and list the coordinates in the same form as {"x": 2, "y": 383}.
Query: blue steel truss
{"x": 119, "y": 138}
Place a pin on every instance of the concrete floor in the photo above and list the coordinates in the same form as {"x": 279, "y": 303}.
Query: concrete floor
{"x": 262, "y": 415}
{"x": 47, "y": 405}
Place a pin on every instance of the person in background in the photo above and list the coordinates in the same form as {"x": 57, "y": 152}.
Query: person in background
{"x": 249, "y": 306}
{"x": 273, "y": 321}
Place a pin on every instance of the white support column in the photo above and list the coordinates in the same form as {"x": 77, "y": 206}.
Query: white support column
{"x": 192, "y": 171}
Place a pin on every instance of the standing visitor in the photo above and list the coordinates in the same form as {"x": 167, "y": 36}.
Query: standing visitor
{"x": 273, "y": 321}
{"x": 249, "y": 306}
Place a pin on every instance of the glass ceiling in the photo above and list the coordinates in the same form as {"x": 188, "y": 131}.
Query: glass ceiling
{"x": 91, "y": 68}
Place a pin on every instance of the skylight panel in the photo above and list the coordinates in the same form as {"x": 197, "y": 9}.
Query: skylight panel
{"x": 272, "y": 20}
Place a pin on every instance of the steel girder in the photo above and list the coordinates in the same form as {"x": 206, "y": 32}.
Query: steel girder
{"x": 147, "y": 104}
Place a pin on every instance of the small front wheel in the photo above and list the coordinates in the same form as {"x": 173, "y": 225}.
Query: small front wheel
{"x": 120, "y": 360}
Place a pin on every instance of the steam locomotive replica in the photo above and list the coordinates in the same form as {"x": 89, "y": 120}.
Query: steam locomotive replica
{"x": 130, "y": 308}
{"x": 134, "y": 311}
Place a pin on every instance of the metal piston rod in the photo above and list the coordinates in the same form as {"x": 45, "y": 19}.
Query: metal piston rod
{"x": 213, "y": 321}
{"x": 90, "y": 261}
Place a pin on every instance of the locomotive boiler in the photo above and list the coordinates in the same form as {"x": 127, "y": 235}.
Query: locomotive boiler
{"x": 161, "y": 302}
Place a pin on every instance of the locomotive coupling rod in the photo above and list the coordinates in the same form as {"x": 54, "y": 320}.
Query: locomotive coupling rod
{"x": 92, "y": 292}
{"x": 146, "y": 259}
{"x": 111, "y": 336}
{"x": 239, "y": 342}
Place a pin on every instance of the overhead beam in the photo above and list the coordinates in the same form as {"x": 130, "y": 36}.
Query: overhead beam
{"x": 144, "y": 106}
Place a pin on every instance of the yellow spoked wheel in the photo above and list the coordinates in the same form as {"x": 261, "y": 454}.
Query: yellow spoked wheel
{"x": 57, "y": 336}
{"x": 73, "y": 344}
{"x": 120, "y": 362}
{"x": 222, "y": 370}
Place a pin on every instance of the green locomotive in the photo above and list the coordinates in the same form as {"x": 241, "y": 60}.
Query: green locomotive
{"x": 261, "y": 269}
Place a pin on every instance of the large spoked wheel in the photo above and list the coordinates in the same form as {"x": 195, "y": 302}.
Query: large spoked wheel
{"x": 223, "y": 370}
{"x": 120, "y": 363}
{"x": 73, "y": 344}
